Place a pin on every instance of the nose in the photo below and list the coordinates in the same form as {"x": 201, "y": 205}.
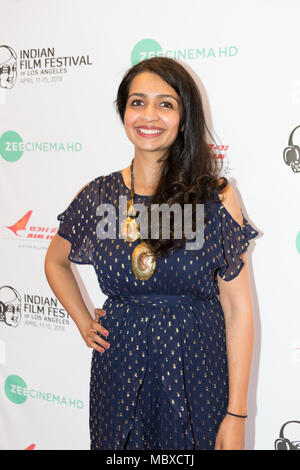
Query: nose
{"x": 150, "y": 113}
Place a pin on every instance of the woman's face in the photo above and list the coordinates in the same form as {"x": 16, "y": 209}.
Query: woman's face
{"x": 152, "y": 113}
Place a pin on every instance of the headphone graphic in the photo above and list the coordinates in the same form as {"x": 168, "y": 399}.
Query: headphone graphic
{"x": 291, "y": 154}
{"x": 282, "y": 443}
{"x": 10, "y": 311}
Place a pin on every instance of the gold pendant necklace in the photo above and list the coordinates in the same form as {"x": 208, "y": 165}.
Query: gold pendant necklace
{"x": 143, "y": 260}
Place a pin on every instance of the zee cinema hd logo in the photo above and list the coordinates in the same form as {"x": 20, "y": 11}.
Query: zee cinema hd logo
{"x": 17, "y": 391}
{"x": 12, "y": 146}
{"x": 147, "y": 48}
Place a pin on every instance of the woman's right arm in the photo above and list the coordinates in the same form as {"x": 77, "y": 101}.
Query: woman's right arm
{"x": 64, "y": 285}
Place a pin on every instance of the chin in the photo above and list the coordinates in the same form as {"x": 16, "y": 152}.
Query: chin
{"x": 149, "y": 148}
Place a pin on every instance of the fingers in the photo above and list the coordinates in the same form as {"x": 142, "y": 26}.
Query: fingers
{"x": 99, "y": 312}
{"x": 94, "y": 340}
{"x": 95, "y": 326}
{"x": 95, "y": 346}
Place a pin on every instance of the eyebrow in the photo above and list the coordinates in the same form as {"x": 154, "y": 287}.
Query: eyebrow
{"x": 158, "y": 96}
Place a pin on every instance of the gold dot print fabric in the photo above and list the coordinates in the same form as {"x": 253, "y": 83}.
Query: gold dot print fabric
{"x": 163, "y": 383}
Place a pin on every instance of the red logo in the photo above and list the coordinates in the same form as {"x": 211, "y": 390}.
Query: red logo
{"x": 36, "y": 232}
{"x": 31, "y": 447}
{"x": 21, "y": 224}
{"x": 218, "y": 150}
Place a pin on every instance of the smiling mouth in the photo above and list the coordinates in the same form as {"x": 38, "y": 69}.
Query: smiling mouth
{"x": 149, "y": 132}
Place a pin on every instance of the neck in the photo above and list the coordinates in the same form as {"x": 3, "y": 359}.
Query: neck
{"x": 146, "y": 170}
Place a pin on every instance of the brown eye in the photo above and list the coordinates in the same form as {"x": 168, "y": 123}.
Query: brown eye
{"x": 166, "y": 104}
{"x": 136, "y": 102}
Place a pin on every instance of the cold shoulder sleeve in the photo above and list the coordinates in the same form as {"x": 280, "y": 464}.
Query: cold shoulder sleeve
{"x": 235, "y": 240}
{"x": 75, "y": 227}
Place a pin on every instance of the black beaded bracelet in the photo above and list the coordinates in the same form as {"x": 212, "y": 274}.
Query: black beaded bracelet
{"x": 238, "y": 416}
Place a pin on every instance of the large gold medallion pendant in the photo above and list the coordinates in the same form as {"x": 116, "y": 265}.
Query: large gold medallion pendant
{"x": 143, "y": 261}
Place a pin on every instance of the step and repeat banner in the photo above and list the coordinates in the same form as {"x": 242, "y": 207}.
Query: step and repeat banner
{"x": 61, "y": 62}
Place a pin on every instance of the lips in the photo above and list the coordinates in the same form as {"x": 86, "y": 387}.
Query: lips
{"x": 149, "y": 131}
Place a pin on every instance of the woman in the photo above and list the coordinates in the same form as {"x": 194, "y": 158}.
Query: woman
{"x": 173, "y": 371}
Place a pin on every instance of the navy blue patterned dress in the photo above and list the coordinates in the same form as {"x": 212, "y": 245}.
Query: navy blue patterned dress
{"x": 163, "y": 383}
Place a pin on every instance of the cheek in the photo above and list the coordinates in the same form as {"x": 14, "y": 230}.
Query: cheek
{"x": 172, "y": 123}
{"x": 130, "y": 117}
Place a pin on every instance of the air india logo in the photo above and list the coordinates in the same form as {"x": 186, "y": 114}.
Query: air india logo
{"x": 23, "y": 229}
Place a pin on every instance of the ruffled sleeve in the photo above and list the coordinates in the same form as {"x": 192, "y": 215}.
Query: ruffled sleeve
{"x": 74, "y": 227}
{"x": 234, "y": 241}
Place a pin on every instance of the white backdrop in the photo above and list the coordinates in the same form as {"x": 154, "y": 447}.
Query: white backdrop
{"x": 61, "y": 62}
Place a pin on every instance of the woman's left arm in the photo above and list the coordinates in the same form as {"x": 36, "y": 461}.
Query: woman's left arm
{"x": 235, "y": 298}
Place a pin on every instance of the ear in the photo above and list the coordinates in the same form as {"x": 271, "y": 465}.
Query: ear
{"x": 182, "y": 128}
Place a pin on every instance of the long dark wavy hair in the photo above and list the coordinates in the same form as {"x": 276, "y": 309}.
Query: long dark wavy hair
{"x": 189, "y": 172}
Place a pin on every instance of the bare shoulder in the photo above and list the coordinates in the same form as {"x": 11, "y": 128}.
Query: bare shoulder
{"x": 231, "y": 204}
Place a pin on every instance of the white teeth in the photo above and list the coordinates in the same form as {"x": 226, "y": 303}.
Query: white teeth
{"x": 150, "y": 131}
